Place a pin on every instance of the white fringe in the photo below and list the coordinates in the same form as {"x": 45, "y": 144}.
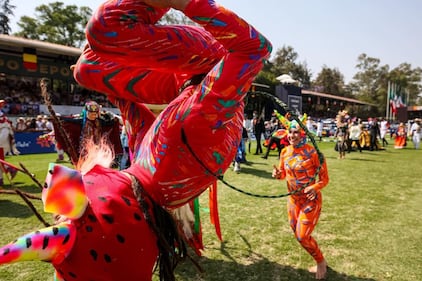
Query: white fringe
{"x": 186, "y": 218}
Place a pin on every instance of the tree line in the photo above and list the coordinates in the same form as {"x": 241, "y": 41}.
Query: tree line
{"x": 65, "y": 24}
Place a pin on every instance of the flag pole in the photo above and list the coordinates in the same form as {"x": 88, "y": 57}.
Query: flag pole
{"x": 387, "y": 108}
{"x": 394, "y": 91}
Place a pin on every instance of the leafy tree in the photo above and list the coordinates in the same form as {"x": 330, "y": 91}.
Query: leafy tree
{"x": 6, "y": 10}
{"x": 176, "y": 17}
{"x": 330, "y": 81}
{"x": 30, "y": 28}
{"x": 410, "y": 80}
{"x": 285, "y": 62}
{"x": 56, "y": 23}
{"x": 370, "y": 83}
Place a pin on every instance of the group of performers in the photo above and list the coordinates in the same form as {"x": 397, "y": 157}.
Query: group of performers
{"x": 118, "y": 224}
{"x": 351, "y": 134}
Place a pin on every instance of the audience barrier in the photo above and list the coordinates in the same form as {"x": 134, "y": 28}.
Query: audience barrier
{"x": 28, "y": 143}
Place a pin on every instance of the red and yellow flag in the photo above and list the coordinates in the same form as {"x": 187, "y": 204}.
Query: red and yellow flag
{"x": 29, "y": 59}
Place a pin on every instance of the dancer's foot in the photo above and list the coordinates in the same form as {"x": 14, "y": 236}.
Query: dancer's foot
{"x": 320, "y": 270}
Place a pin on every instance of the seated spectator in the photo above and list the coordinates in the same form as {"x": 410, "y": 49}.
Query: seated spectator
{"x": 31, "y": 124}
{"x": 48, "y": 123}
{"x": 40, "y": 124}
{"x": 20, "y": 125}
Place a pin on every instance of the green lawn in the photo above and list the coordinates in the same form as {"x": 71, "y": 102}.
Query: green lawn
{"x": 369, "y": 228}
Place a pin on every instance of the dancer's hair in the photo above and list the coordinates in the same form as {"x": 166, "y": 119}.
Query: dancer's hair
{"x": 92, "y": 154}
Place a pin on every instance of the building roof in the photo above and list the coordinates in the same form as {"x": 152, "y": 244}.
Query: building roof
{"x": 41, "y": 46}
{"x": 324, "y": 95}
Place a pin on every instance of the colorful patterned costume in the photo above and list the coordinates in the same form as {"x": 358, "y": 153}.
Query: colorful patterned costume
{"x": 79, "y": 129}
{"x": 150, "y": 68}
{"x": 400, "y": 140}
{"x": 133, "y": 61}
{"x": 298, "y": 165}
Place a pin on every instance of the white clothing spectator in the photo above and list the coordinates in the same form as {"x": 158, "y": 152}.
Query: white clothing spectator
{"x": 416, "y": 132}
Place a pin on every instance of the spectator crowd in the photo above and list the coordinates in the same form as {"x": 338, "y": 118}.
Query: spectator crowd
{"x": 22, "y": 96}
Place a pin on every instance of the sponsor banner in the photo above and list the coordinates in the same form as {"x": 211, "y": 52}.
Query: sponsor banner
{"x": 28, "y": 143}
{"x": 53, "y": 69}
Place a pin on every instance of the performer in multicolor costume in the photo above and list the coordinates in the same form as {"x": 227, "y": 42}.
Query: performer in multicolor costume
{"x": 106, "y": 231}
{"x": 90, "y": 124}
{"x": 298, "y": 166}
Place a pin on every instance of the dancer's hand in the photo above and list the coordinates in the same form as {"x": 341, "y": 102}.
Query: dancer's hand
{"x": 276, "y": 172}
{"x": 310, "y": 193}
{"x": 175, "y": 4}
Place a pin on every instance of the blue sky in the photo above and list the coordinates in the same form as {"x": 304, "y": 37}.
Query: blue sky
{"x": 323, "y": 32}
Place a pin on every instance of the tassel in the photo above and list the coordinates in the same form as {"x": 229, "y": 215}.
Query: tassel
{"x": 197, "y": 224}
{"x": 215, "y": 219}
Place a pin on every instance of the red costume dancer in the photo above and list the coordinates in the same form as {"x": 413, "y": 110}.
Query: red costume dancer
{"x": 131, "y": 59}
{"x": 108, "y": 233}
{"x": 298, "y": 165}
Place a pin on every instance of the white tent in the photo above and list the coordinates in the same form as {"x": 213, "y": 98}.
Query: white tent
{"x": 286, "y": 79}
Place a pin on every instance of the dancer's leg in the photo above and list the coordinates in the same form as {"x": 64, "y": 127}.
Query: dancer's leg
{"x": 130, "y": 57}
{"x": 210, "y": 114}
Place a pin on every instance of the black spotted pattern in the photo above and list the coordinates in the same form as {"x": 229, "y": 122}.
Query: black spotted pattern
{"x": 28, "y": 242}
{"x": 45, "y": 242}
{"x": 55, "y": 230}
{"x": 107, "y": 258}
{"x": 137, "y": 216}
{"x": 92, "y": 218}
{"x": 126, "y": 200}
{"x": 93, "y": 254}
{"x": 108, "y": 218}
{"x": 66, "y": 239}
{"x": 120, "y": 238}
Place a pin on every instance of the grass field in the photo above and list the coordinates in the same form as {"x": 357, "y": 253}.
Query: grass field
{"x": 370, "y": 227}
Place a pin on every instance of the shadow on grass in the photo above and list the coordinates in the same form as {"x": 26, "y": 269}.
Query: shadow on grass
{"x": 10, "y": 209}
{"x": 364, "y": 160}
{"x": 254, "y": 267}
{"x": 252, "y": 163}
{"x": 354, "y": 159}
{"x": 23, "y": 187}
{"x": 259, "y": 268}
{"x": 254, "y": 171}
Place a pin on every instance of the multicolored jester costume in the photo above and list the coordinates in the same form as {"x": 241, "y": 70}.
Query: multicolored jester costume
{"x": 136, "y": 62}
{"x": 299, "y": 166}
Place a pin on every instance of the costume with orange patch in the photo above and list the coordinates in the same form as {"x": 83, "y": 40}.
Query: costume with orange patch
{"x": 298, "y": 166}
